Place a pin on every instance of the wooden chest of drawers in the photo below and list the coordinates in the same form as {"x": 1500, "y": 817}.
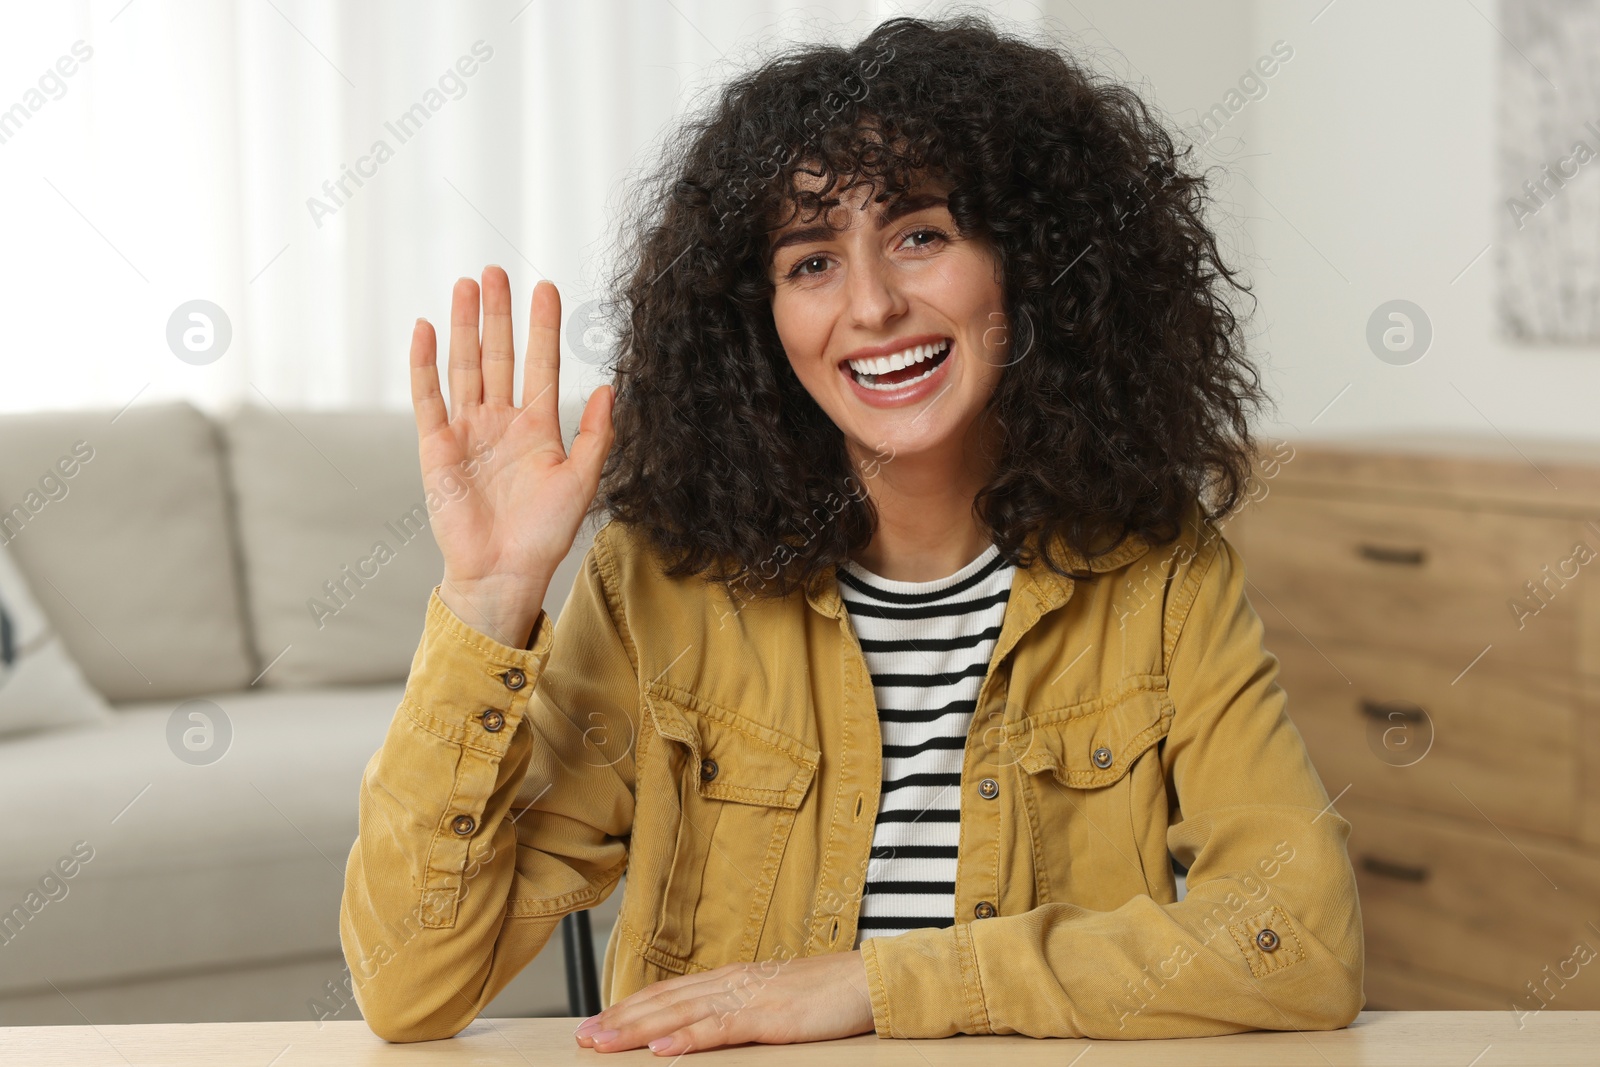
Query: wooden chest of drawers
{"x": 1434, "y": 604}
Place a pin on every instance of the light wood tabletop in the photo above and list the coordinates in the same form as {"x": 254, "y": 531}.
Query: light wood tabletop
{"x": 1376, "y": 1039}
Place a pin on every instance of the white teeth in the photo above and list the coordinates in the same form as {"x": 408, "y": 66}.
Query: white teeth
{"x": 866, "y": 371}
{"x": 895, "y": 385}
{"x": 898, "y": 361}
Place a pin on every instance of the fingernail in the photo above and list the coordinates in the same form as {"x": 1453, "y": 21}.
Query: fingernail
{"x": 588, "y": 1026}
{"x": 660, "y": 1044}
{"x": 605, "y": 1035}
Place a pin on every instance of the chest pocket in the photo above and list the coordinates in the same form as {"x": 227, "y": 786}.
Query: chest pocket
{"x": 718, "y": 798}
{"x": 1093, "y": 744}
{"x": 1097, "y": 794}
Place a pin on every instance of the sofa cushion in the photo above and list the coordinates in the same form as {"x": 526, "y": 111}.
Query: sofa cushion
{"x": 40, "y": 687}
{"x": 175, "y": 863}
{"x": 338, "y": 555}
{"x": 119, "y": 521}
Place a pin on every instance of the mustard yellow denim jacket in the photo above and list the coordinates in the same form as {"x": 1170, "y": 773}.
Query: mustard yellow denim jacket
{"x": 724, "y": 754}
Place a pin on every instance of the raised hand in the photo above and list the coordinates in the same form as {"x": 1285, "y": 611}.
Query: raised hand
{"x": 505, "y": 499}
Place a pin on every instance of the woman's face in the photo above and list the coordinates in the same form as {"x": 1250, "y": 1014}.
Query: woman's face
{"x": 896, "y": 286}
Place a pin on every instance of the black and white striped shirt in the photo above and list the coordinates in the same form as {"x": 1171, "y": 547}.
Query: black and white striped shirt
{"x": 927, "y": 646}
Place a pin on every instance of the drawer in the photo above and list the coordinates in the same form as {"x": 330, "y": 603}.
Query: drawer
{"x": 1391, "y": 726}
{"x": 1392, "y": 986}
{"x": 1589, "y": 746}
{"x": 1437, "y": 580}
{"x": 1465, "y": 903}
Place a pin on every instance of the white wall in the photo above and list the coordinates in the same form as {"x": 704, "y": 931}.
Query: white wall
{"x": 180, "y": 159}
{"x": 1365, "y": 173}
{"x": 1379, "y": 168}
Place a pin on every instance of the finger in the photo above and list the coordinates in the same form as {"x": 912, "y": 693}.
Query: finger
{"x": 595, "y": 435}
{"x": 466, "y": 377}
{"x": 499, "y": 360}
{"x": 670, "y": 1018}
{"x": 672, "y": 988}
{"x": 660, "y": 1008}
{"x": 425, "y": 398}
{"x": 542, "y": 362}
{"x": 712, "y": 1032}
{"x": 653, "y": 998}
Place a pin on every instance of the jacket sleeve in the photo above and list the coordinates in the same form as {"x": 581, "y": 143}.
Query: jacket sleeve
{"x": 500, "y": 800}
{"x": 1265, "y": 850}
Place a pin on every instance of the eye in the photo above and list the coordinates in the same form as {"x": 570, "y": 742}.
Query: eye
{"x": 799, "y": 266}
{"x": 927, "y": 231}
{"x": 799, "y": 269}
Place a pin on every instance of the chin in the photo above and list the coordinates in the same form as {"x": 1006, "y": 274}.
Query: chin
{"x": 894, "y": 436}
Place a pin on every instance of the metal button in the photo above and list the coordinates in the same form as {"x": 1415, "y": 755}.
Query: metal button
{"x": 515, "y": 679}
{"x": 493, "y": 721}
{"x": 1267, "y": 940}
{"x": 988, "y": 789}
{"x": 1102, "y": 757}
{"x": 463, "y": 825}
{"x": 985, "y": 910}
{"x": 708, "y": 769}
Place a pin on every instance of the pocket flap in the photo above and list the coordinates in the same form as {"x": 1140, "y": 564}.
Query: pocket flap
{"x": 736, "y": 758}
{"x": 1093, "y": 743}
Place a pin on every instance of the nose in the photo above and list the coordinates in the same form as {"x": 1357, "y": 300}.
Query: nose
{"x": 873, "y": 290}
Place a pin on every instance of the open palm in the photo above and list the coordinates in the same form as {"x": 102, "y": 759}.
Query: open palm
{"x": 505, "y": 497}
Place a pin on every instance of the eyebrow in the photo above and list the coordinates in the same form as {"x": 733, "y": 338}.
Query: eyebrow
{"x": 895, "y": 209}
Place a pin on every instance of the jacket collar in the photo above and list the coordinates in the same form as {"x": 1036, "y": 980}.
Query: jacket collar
{"x": 1035, "y": 590}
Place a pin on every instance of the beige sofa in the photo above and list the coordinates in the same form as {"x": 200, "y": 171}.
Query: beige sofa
{"x": 182, "y": 565}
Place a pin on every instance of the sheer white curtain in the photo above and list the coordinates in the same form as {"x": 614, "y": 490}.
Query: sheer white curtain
{"x": 322, "y": 173}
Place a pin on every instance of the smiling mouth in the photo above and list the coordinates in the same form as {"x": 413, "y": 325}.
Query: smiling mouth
{"x": 930, "y": 358}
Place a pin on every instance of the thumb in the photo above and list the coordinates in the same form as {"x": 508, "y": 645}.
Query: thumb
{"x": 595, "y": 434}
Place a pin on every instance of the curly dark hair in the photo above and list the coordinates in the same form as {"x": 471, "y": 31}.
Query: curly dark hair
{"x": 1124, "y": 401}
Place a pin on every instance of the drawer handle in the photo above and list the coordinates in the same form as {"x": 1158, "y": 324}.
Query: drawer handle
{"x": 1392, "y": 710}
{"x": 1408, "y": 557}
{"x": 1400, "y": 872}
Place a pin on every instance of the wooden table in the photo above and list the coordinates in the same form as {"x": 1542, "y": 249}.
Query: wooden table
{"x": 1403, "y": 1039}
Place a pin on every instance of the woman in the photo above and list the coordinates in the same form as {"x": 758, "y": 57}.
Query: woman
{"x": 912, "y": 657}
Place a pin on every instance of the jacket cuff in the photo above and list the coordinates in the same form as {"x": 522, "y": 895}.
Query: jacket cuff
{"x": 469, "y": 688}
{"x": 908, "y": 978}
